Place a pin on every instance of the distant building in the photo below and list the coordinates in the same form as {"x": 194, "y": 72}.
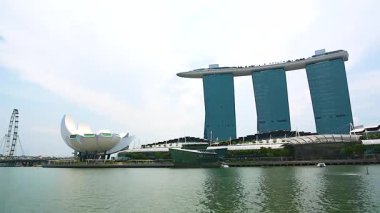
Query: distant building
{"x": 330, "y": 96}
{"x": 327, "y": 83}
{"x": 219, "y": 99}
{"x": 89, "y": 144}
{"x": 362, "y": 130}
{"x": 271, "y": 97}
{"x": 315, "y": 147}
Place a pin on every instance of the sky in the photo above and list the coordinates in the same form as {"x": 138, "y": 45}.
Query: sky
{"x": 113, "y": 64}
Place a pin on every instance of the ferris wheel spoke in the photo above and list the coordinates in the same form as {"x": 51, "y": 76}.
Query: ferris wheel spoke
{"x": 9, "y": 146}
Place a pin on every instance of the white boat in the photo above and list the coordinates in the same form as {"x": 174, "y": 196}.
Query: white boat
{"x": 224, "y": 166}
{"x": 321, "y": 165}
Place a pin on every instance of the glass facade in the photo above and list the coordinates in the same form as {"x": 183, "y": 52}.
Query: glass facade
{"x": 271, "y": 96}
{"x": 330, "y": 96}
{"x": 219, "y": 97}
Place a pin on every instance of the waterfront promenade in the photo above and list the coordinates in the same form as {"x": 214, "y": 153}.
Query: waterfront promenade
{"x": 230, "y": 163}
{"x": 169, "y": 164}
{"x": 108, "y": 164}
{"x": 302, "y": 162}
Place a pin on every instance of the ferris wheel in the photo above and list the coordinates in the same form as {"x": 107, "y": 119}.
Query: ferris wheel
{"x": 10, "y": 139}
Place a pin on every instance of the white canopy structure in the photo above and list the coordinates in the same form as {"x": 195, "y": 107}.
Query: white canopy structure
{"x": 309, "y": 139}
{"x": 83, "y": 140}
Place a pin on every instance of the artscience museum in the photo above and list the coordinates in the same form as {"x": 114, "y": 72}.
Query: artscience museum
{"x": 92, "y": 145}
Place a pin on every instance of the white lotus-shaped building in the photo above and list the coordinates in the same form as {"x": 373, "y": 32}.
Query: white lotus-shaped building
{"x": 83, "y": 140}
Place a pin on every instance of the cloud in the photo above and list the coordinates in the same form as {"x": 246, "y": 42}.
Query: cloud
{"x": 364, "y": 90}
{"x": 118, "y": 59}
{"x": 136, "y": 52}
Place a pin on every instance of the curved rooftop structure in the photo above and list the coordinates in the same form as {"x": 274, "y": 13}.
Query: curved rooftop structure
{"x": 334, "y": 138}
{"x": 369, "y": 129}
{"x": 82, "y": 139}
{"x": 248, "y": 70}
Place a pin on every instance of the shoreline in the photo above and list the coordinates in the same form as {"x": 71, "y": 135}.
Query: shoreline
{"x": 230, "y": 164}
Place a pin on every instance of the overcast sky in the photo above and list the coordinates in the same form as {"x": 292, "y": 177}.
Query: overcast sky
{"x": 113, "y": 64}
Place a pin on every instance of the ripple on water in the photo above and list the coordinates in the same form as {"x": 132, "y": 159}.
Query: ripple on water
{"x": 272, "y": 189}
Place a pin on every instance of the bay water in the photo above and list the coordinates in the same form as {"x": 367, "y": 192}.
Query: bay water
{"x": 251, "y": 189}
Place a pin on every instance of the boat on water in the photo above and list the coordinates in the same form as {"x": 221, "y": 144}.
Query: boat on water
{"x": 195, "y": 155}
{"x": 223, "y": 165}
{"x": 321, "y": 165}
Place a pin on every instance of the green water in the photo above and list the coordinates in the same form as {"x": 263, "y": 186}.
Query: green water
{"x": 270, "y": 189}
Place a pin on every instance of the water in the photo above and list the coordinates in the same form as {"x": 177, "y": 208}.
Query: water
{"x": 255, "y": 189}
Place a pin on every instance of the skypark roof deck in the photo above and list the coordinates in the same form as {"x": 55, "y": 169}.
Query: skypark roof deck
{"x": 248, "y": 70}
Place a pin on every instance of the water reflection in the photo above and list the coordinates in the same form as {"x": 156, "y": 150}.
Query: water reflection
{"x": 224, "y": 191}
{"x": 278, "y": 189}
{"x": 311, "y": 184}
{"x": 255, "y": 189}
{"x": 286, "y": 189}
{"x": 310, "y": 189}
{"x": 347, "y": 189}
{"x": 88, "y": 190}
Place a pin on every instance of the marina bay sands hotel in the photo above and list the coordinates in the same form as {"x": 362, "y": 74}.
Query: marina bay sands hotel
{"x": 328, "y": 87}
